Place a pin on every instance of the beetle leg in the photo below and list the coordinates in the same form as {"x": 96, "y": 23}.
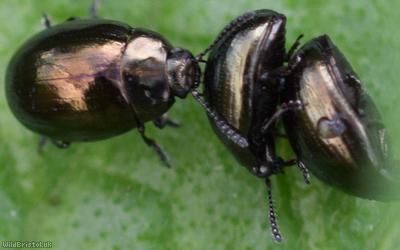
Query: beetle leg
{"x": 293, "y": 49}
{"x": 221, "y": 125}
{"x": 153, "y": 144}
{"x": 289, "y": 106}
{"x": 61, "y": 144}
{"x": 237, "y": 23}
{"x": 261, "y": 171}
{"x": 354, "y": 82}
{"x": 41, "y": 144}
{"x": 164, "y": 120}
{"x": 271, "y": 167}
{"x": 46, "y": 20}
{"x": 150, "y": 142}
{"x": 73, "y": 18}
{"x": 271, "y": 214}
{"x": 94, "y": 8}
{"x": 279, "y": 164}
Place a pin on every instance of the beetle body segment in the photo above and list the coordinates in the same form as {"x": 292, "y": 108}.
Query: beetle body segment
{"x": 338, "y": 135}
{"x": 91, "y": 79}
{"x": 237, "y": 81}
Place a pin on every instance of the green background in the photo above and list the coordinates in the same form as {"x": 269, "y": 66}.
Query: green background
{"x": 115, "y": 194}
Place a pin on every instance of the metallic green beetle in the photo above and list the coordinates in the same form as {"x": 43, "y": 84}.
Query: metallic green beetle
{"x": 86, "y": 80}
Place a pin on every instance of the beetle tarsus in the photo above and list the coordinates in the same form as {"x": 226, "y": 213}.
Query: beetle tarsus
{"x": 46, "y": 20}
{"x": 163, "y": 121}
{"x": 221, "y": 125}
{"x": 61, "y": 144}
{"x": 94, "y": 7}
{"x": 272, "y": 167}
{"x": 261, "y": 171}
{"x": 153, "y": 144}
{"x": 41, "y": 144}
{"x": 272, "y": 215}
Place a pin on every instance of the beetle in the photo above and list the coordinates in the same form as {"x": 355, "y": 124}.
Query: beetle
{"x": 241, "y": 88}
{"x": 334, "y": 127}
{"x": 339, "y": 135}
{"x": 86, "y": 80}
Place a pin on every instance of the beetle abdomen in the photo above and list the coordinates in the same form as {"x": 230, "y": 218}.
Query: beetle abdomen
{"x": 61, "y": 83}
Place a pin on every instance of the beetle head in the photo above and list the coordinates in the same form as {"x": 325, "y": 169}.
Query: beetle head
{"x": 183, "y": 72}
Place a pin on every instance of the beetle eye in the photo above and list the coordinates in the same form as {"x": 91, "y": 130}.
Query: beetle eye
{"x": 331, "y": 128}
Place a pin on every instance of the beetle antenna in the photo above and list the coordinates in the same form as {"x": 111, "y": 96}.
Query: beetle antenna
{"x": 294, "y": 47}
{"x": 46, "y": 20}
{"x": 304, "y": 171}
{"x": 234, "y": 24}
{"x": 222, "y": 126}
{"x": 272, "y": 215}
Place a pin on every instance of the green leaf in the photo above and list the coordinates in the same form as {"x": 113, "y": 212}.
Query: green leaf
{"x": 115, "y": 194}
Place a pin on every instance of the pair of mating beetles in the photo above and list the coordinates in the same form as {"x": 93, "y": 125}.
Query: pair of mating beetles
{"x": 86, "y": 80}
